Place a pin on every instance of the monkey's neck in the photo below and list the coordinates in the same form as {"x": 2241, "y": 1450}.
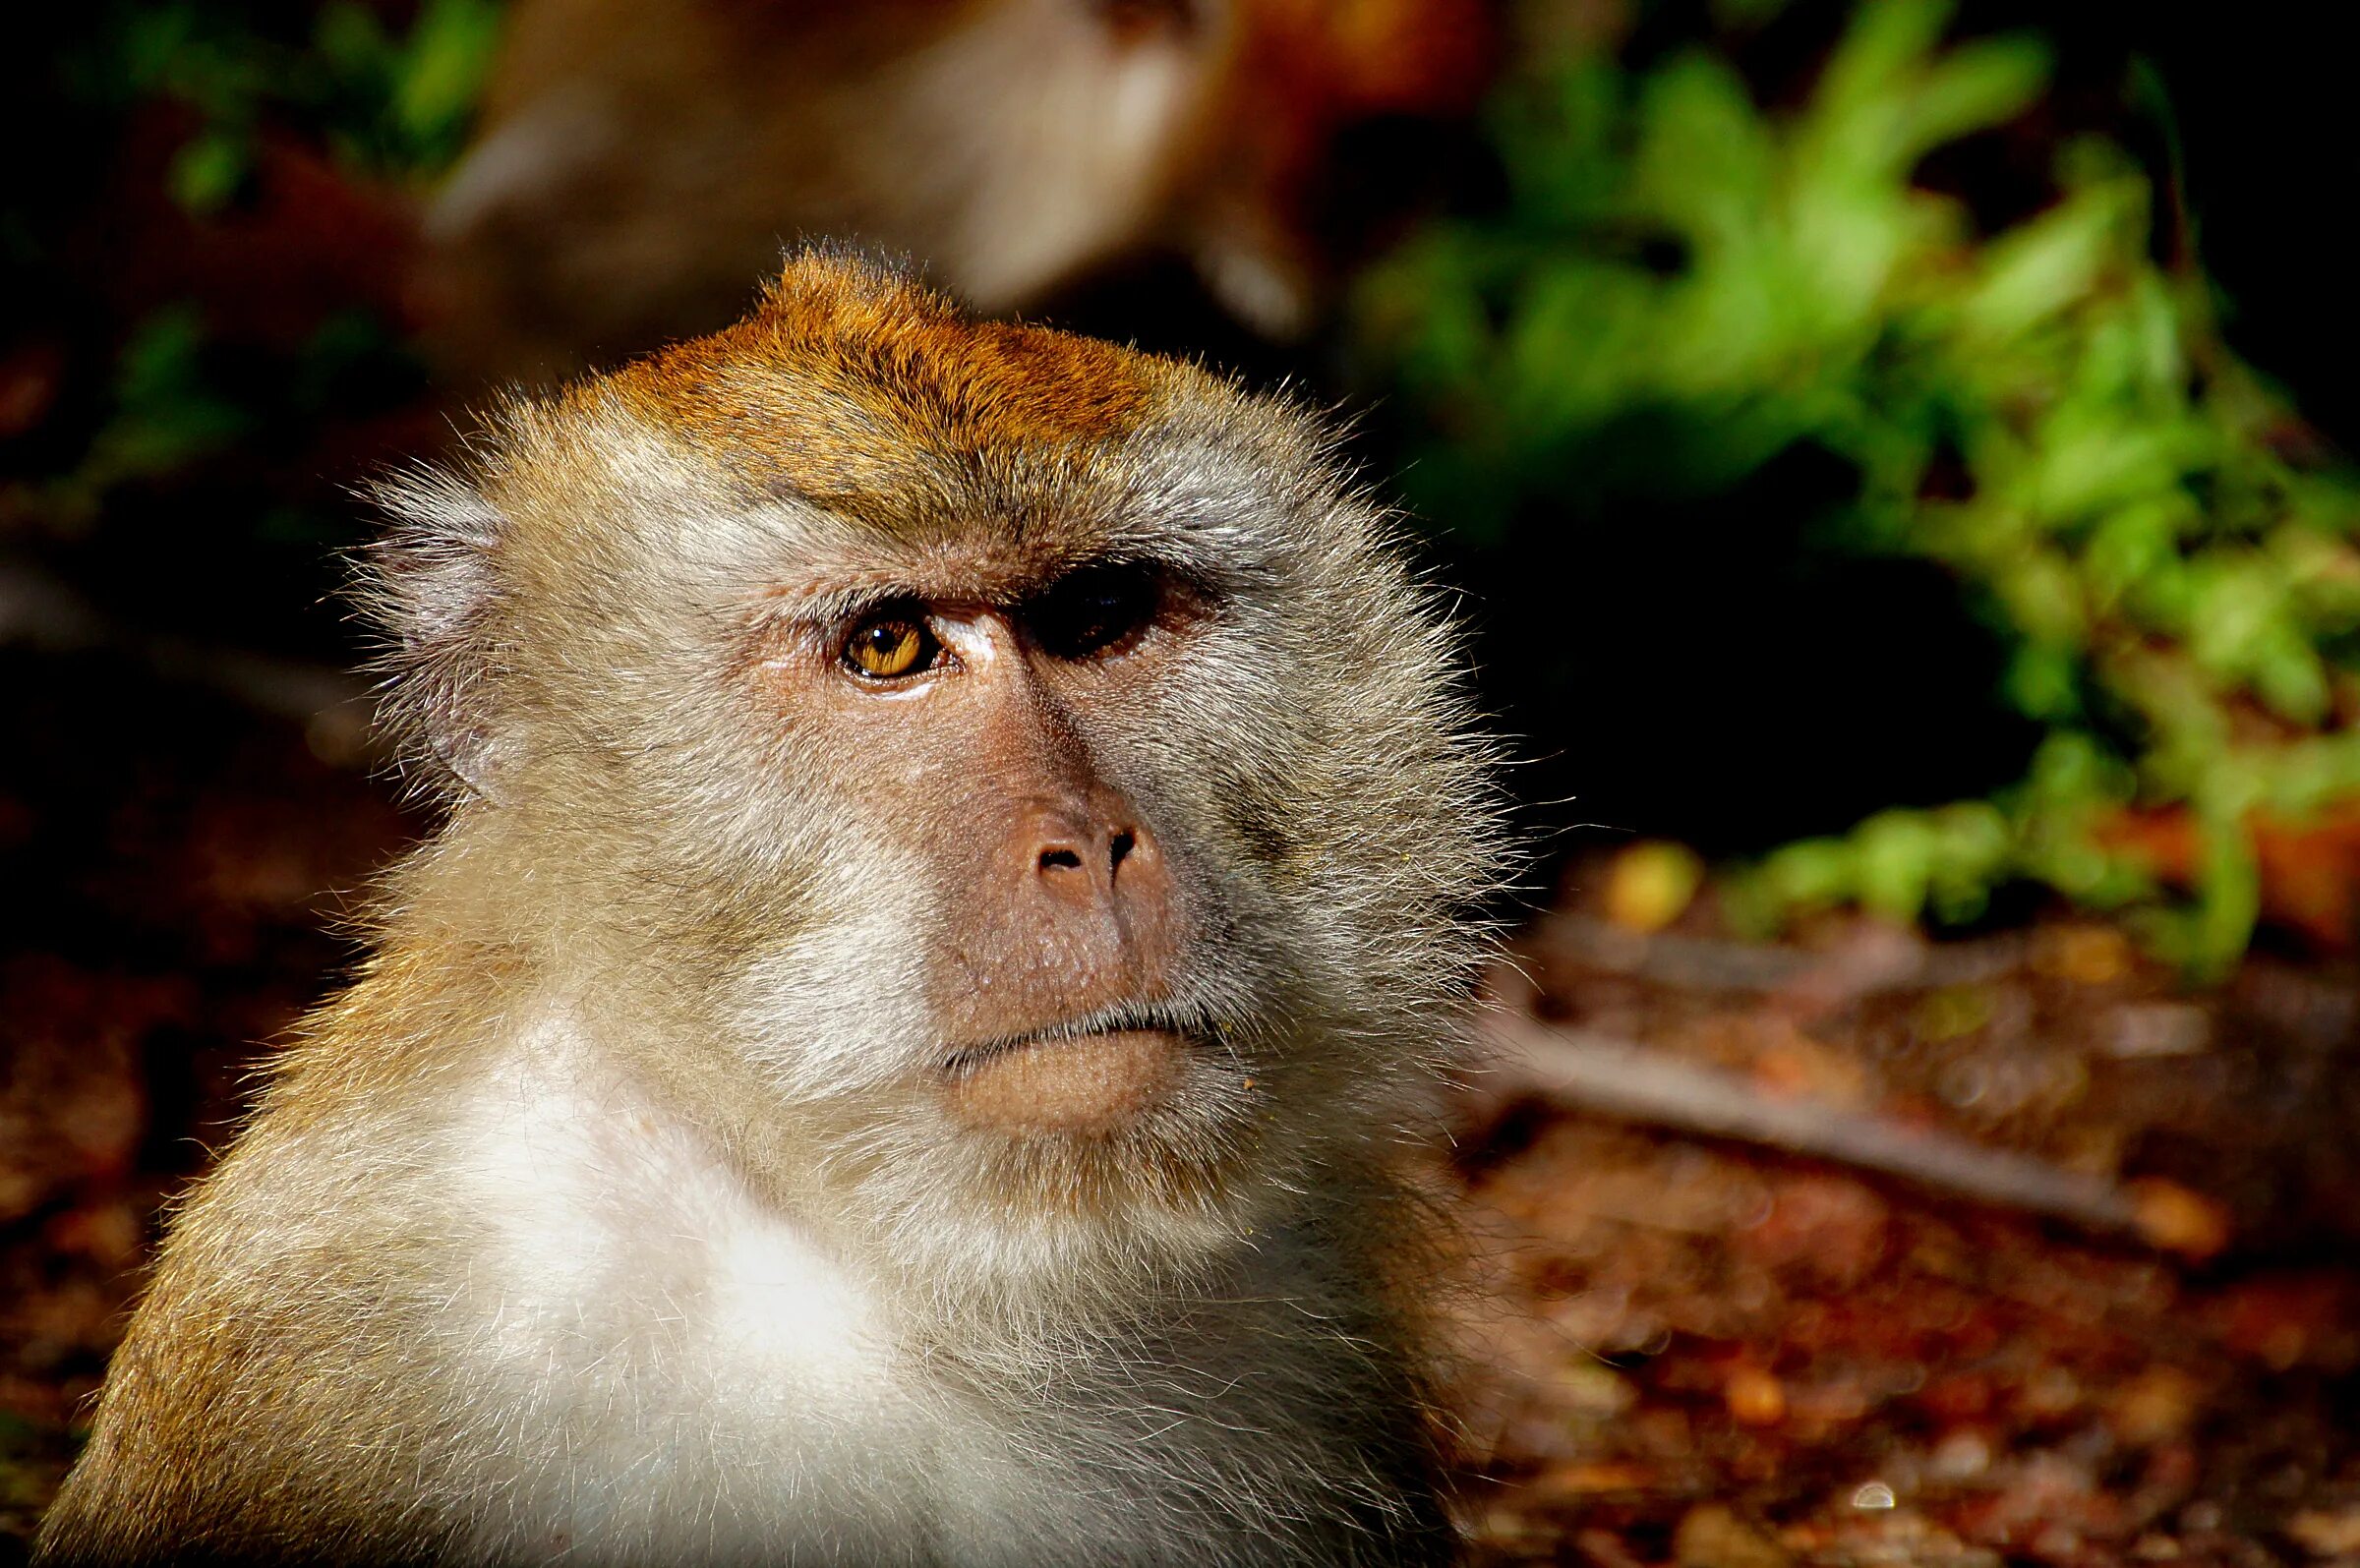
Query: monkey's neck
{"x": 651, "y": 1124}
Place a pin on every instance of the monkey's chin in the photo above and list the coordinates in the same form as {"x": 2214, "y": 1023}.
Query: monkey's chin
{"x": 1091, "y": 1085}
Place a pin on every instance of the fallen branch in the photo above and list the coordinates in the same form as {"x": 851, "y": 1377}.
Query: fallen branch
{"x": 1630, "y": 1083}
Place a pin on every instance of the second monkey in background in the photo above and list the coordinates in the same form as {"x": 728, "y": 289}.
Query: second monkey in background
{"x": 641, "y": 159}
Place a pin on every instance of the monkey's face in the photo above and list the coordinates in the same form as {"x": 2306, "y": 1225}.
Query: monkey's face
{"x": 1094, "y": 898}
{"x": 1019, "y": 769}
{"x": 1054, "y": 990}
{"x": 1059, "y": 928}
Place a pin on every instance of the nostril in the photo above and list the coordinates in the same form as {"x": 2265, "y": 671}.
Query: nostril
{"x": 1120, "y": 849}
{"x": 1053, "y": 859}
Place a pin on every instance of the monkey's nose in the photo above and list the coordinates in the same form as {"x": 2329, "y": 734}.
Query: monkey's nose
{"x": 1082, "y": 860}
{"x": 1097, "y": 892}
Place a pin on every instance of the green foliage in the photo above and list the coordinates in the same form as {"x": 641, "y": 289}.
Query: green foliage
{"x": 388, "y": 105}
{"x": 392, "y": 105}
{"x": 421, "y": 89}
{"x": 1683, "y": 286}
{"x": 166, "y": 412}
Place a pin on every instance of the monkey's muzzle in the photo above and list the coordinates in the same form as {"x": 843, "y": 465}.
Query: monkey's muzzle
{"x": 1091, "y": 1083}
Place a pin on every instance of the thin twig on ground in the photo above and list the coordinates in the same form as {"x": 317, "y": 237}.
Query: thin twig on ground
{"x": 1622, "y": 1079}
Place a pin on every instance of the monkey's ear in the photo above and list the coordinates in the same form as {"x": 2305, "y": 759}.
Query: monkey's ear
{"x": 431, "y": 588}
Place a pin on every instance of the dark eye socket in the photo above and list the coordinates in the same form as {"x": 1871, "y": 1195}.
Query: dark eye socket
{"x": 1097, "y": 607}
{"x": 891, "y": 644}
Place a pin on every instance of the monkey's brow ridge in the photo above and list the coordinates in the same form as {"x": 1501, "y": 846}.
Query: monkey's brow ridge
{"x": 843, "y": 596}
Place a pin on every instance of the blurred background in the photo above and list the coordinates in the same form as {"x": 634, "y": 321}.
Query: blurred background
{"x": 1894, "y": 455}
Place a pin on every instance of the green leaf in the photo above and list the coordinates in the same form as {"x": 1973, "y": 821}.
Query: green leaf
{"x": 209, "y": 170}
{"x": 443, "y": 73}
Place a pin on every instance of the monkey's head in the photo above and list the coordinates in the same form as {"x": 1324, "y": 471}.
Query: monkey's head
{"x": 1012, "y": 781}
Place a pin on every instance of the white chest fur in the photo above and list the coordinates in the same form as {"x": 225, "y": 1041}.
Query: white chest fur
{"x": 681, "y": 1373}
{"x": 714, "y": 1381}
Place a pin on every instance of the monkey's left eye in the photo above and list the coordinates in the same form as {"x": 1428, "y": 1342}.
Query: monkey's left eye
{"x": 1095, "y": 608}
{"x": 889, "y": 646}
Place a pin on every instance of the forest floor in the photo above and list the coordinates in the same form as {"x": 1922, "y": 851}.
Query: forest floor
{"x": 1862, "y": 1249}
{"x": 2005, "y": 1252}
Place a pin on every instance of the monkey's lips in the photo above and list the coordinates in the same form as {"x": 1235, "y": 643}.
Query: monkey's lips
{"x": 1094, "y": 1080}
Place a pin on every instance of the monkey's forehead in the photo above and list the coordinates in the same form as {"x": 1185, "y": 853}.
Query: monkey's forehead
{"x": 856, "y": 404}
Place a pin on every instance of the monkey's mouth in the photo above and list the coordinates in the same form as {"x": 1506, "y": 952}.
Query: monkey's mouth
{"x": 1094, "y": 1074}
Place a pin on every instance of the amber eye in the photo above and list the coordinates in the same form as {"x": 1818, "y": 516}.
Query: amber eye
{"x": 890, "y": 646}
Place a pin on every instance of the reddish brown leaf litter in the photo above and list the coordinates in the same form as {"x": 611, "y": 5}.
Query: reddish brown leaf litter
{"x": 1711, "y": 1350}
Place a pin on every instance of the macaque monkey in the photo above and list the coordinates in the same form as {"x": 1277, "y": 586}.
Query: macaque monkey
{"x": 640, "y": 159}
{"x": 955, "y": 890}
